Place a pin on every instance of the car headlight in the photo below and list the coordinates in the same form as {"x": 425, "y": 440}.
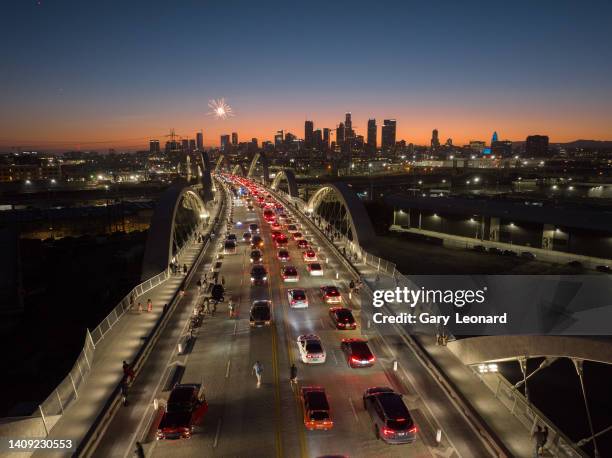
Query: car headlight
{"x": 252, "y": 278}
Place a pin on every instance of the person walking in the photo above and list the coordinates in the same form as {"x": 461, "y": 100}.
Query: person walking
{"x": 293, "y": 371}
{"x": 222, "y": 280}
{"x": 538, "y": 436}
{"x": 351, "y": 286}
{"x": 139, "y": 307}
{"x": 185, "y": 269}
{"x": 128, "y": 372}
{"x": 199, "y": 286}
{"x": 149, "y": 305}
{"x": 258, "y": 371}
{"x": 124, "y": 391}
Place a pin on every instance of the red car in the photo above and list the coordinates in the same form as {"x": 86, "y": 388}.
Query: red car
{"x": 281, "y": 241}
{"x": 302, "y": 243}
{"x": 185, "y": 408}
{"x": 342, "y": 318}
{"x": 275, "y": 234}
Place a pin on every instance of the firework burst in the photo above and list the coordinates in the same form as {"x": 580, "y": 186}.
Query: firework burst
{"x": 220, "y": 109}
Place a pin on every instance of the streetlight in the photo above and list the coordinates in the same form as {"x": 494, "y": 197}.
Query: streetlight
{"x": 28, "y": 182}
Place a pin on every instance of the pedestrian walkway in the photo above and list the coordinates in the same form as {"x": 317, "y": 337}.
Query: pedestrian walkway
{"x": 121, "y": 343}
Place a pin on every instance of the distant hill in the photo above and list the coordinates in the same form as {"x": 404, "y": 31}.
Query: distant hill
{"x": 589, "y": 144}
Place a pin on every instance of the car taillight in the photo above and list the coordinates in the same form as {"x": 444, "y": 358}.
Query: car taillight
{"x": 371, "y": 358}
{"x": 293, "y": 301}
{"x": 355, "y": 359}
{"x": 341, "y": 324}
{"x": 387, "y": 431}
{"x": 413, "y": 429}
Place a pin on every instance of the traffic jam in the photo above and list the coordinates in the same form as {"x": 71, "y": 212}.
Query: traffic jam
{"x": 391, "y": 419}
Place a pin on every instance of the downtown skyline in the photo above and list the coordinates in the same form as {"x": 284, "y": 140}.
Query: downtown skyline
{"x": 466, "y": 70}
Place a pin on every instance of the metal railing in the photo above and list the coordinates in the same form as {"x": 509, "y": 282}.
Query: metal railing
{"x": 67, "y": 391}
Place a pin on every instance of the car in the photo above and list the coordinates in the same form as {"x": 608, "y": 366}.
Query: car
{"x": 231, "y": 237}
{"x": 250, "y": 207}
{"x": 275, "y": 234}
{"x": 342, "y": 318}
{"x": 256, "y": 256}
{"x": 302, "y": 244}
{"x": 310, "y": 256}
{"x": 480, "y": 248}
{"x": 283, "y": 255}
{"x": 259, "y": 275}
{"x": 254, "y": 228}
{"x": 290, "y": 274}
{"x": 291, "y": 228}
{"x": 494, "y": 250}
{"x": 269, "y": 215}
{"x": 392, "y": 420}
{"x": 509, "y": 253}
{"x": 528, "y": 255}
{"x": 229, "y": 247}
{"x": 281, "y": 241}
{"x": 297, "y": 298}
{"x": 275, "y": 226}
{"x": 282, "y": 217}
{"x": 257, "y": 242}
{"x": 297, "y": 236}
{"x": 603, "y": 269}
{"x": 317, "y": 414}
{"x": 279, "y": 207}
{"x": 310, "y": 348}
{"x": 315, "y": 269}
{"x": 246, "y": 237}
{"x": 185, "y": 408}
{"x": 357, "y": 352}
{"x": 330, "y": 294}
{"x": 261, "y": 313}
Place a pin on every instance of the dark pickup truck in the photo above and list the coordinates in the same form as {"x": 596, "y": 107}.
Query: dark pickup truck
{"x": 185, "y": 408}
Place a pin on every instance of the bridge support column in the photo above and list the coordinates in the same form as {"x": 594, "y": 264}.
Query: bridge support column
{"x": 548, "y": 236}
{"x": 494, "y": 229}
{"x": 579, "y": 369}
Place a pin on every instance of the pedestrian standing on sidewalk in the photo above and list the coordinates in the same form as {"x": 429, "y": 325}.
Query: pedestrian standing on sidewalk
{"x": 538, "y": 436}
{"x": 258, "y": 371}
{"x": 149, "y": 306}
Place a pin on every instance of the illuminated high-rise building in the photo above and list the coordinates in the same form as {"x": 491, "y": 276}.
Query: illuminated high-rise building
{"x": 192, "y": 145}
{"x": 200, "y": 140}
{"x": 153, "y": 146}
{"x": 435, "y": 140}
{"x": 340, "y": 134}
{"x": 225, "y": 142}
{"x": 279, "y": 139}
{"x": 185, "y": 144}
{"x": 494, "y": 138}
{"x": 325, "y": 144}
{"x": 308, "y": 132}
{"x": 349, "y": 133}
{"x": 372, "y": 134}
{"x": 388, "y": 133}
{"x": 235, "y": 138}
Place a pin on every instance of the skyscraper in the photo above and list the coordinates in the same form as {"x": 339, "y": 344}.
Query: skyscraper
{"x": 349, "y": 133}
{"x": 235, "y": 138}
{"x": 435, "y": 141}
{"x": 308, "y": 130}
{"x": 153, "y": 146}
{"x": 200, "y": 140}
{"x": 372, "y": 134}
{"x": 494, "y": 138}
{"x": 340, "y": 132}
{"x": 225, "y": 142}
{"x": 325, "y": 144}
{"x": 192, "y": 144}
{"x": 388, "y": 134}
{"x": 254, "y": 142}
{"x": 317, "y": 138}
{"x": 536, "y": 145}
{"x": 185, "y": 144}
{"x": 279, "y": 139}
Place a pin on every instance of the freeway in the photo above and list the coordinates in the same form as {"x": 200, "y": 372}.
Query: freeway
{"x": 267, "y": 421}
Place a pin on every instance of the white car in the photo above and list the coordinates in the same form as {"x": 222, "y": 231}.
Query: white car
{"x": 315, "y": 269}
{"x": 311, "y": 349}
{"x": 297, "y": 298}
{"x": 291, "y": 228}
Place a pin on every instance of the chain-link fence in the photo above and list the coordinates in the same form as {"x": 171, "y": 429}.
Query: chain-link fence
{"x": 53, "y": 407}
